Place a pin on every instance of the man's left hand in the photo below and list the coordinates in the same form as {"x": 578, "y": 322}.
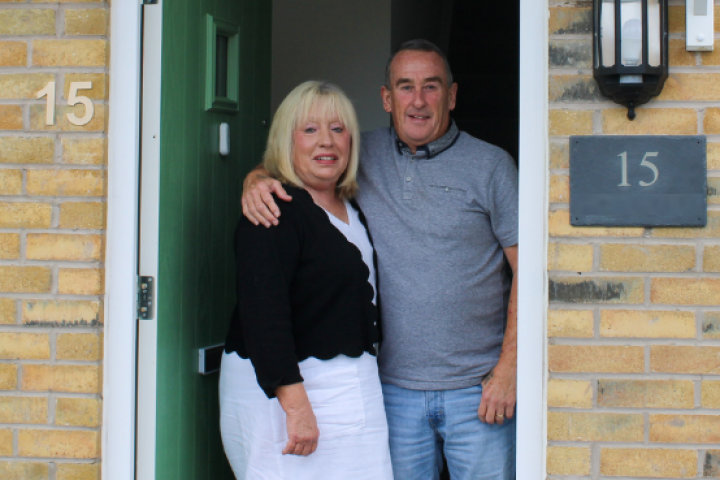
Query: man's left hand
{"x": 498, "y": 396}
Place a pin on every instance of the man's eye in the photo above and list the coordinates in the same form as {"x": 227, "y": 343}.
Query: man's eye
{"x": 430, "y": 87}
{"x": 406, "y": 88}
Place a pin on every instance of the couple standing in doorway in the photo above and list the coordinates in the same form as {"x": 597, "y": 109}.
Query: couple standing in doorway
{"x": 440, "y": 209}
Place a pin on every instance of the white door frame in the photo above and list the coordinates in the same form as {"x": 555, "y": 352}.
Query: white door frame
{"x": 119, "y": 418}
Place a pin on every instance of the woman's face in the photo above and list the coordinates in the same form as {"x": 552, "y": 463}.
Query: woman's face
{"x": 321, "y": 151}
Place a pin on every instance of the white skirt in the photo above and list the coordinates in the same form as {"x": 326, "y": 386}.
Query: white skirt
{"x": 346, "y": 398}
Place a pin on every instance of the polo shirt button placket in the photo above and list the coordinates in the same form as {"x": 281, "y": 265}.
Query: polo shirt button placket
{"x": 407, "y": 187}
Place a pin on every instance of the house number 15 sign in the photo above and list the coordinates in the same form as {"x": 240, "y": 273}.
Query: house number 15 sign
{"x": 647, "y": 181}
{"x": 73, "y": 99}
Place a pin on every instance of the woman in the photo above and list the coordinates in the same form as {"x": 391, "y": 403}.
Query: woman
{"x": 299, "y": 391}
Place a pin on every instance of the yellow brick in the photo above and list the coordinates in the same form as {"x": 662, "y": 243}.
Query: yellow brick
{"x": 711, "y": 325}
{"x": 25, "y": 215}
{"x": 606, "y": 290}
{"x": 713, "y": 155}
{"x": 62, "y": 378}
{"x": 713, "y": 190}
{"x": 23, "y": 85}
{"x": 568, "y": 461}
{"x": 24, "y": 279}
{"x": 62, "y": 312}
{"x": 685, "y": 428}
{"x": 646, "y": 393}
{"x": 569, "y": 393}
{"x": 96, "y": 124}
{"x": 559, "y": 226}
{"x": 712, "y": 120}
{"x": 26, "y": 150}
{"x": 685, "y": 359}
{"x": 66, "y": 182}
{"x": 49, "y": 246}
{"x": 605, "y": 359}
{"x": 710, "y": 58}
{"x": 711, "y": 394}
{"x": 81, "y": 412}
{"x": 570, "y": 257}
{"x": 9, "y": 248}
{"x": 13, "y": 54}
{"x": 99, "y": 85}
{"x": 10, "y": 182}
{"x": 571, "y": 122}
{"x": 69, "y": 1}
{"x": 679, "y": 56}
{"x": 648, "y": 462}
{"x": 19, "y": 470}
{"x": 570, "y": 323}
{"x": 8, "y": 377}
{"x": 81, "y": 281}
{"x": 570, "y": 20}
{"x": 84, "y": 151}
{"x": 650, "y": 121}
{"x": 26, "y": 346}
{"x": 8, "y": 311}
{"x": 711, "y": 258}
{"x": 573, "y": 89}
{"x": 82, "y": 215}
{"x": 23, "y": 410}
{"x": 691, "y": 86}
{"x": 559, "y": 155}
{"x": 6, "y": 450}
{"x": 685, "y": 291}
{"x": 593, "y": 427}
{"x": 712, "y": 230}
{"x": 86, "y": 21}
{"x": 648, "y": 324}
{"x": 79, "y": 346}
{"x": 78, "y": 471}
{"x": 559, "y": 189}
{"x": 27, "y": 21}
{"x": 676, "y": 19}
{"x": 59, "y": 443}
{"x": 11, "y": 117}
{"x": 69, "y": 53}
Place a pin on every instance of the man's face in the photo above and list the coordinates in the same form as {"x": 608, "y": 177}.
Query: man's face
{"x": 419, "y": 97}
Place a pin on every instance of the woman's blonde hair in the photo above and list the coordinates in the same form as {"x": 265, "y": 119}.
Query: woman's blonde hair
{"x": 321, "y": 99}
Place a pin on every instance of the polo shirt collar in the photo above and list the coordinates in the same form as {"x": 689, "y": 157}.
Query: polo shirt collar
{"x": 433, "y": 148}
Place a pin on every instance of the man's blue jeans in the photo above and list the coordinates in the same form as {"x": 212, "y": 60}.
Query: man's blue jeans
{"x": 426, "y": 423}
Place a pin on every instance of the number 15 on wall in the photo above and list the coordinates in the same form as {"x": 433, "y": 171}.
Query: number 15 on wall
{"x": 73, "y": 99}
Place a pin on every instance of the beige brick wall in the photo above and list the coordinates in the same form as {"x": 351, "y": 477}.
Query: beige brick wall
{"x": 52, "y": 240}
{"x": 634, "y": 319}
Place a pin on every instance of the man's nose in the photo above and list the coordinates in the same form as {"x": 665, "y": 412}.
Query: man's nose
{"x": 419, "y": 99}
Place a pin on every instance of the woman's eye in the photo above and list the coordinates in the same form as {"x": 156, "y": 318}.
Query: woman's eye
{"x": 338, "y": 129}
{"x": 310, "y": 130}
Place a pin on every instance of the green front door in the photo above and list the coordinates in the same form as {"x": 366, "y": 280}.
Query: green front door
{"x": 199, "y": 207}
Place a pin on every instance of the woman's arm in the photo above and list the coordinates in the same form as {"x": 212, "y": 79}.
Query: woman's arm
{"x": 301, "y": 424}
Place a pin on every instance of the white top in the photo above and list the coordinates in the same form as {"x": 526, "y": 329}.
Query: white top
{"x": 356, "y": 234}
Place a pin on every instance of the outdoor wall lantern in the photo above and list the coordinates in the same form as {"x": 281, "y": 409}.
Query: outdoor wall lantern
{"x": 630, "y": 50}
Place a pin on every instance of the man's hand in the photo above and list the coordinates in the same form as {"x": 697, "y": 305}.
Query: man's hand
{"x": 300, "y": 420}
{"x": 498, "y": 396}
{"x": 258, "y": 204}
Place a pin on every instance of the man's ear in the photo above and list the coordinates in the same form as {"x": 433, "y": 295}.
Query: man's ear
{"x": 453, "y": 96}
{"x": 386, "y": 98}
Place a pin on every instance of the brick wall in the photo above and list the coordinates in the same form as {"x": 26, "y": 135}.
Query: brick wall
{"x": 52, "y": 220}
{"x": 634, "y": 320}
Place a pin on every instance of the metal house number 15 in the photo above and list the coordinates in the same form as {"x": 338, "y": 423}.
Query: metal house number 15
{"x": 645, "y": 163}
{"x": 73, "y": 99}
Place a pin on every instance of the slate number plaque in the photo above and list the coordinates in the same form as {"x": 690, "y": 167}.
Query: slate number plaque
{"x": 642, "y": 181}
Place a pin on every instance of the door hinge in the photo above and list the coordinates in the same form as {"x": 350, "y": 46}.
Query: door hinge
{"x": 146, "y": 298}
{"x": 149, "y": 2}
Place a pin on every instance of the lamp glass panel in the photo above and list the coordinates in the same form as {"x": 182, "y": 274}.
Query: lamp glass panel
{"x": 607, "y": 32}
{"x": 631, "y": 33}
{"x": 654, "y": 33}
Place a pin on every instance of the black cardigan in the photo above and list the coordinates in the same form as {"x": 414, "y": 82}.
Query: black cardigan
{"x": 302, "y": 291}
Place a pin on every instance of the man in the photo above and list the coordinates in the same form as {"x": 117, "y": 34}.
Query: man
{"x": 442, "y": 209}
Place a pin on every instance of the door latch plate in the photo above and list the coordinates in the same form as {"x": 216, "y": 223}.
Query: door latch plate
{"x": 146, "y": 298}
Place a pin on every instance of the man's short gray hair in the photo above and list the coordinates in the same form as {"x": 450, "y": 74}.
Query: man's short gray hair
{"x": 419, "y": 45}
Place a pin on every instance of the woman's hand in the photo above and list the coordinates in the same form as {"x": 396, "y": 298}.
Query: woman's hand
{"x": 258, "y": 204}
{"x": 301, "y": 424}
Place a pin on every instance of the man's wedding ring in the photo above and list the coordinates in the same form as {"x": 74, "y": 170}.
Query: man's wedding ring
{"x": 499, "y": 416}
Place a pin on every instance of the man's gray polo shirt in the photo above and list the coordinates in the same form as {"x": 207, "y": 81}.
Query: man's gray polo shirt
{"x": 439, "y": 220}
